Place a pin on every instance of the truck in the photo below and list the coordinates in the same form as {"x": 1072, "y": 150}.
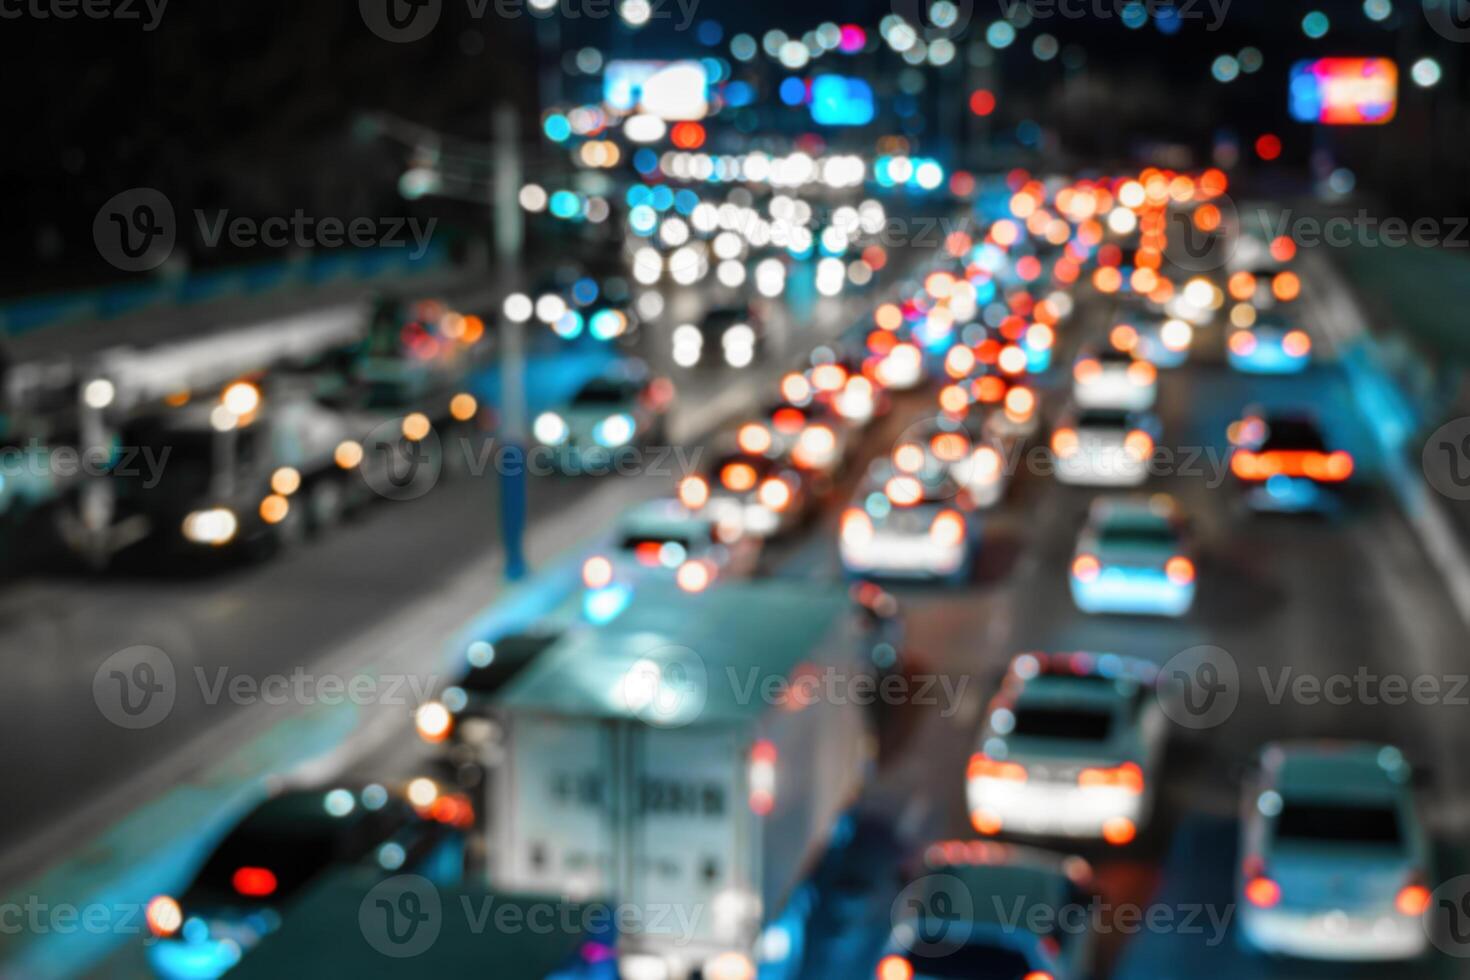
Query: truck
{"x": 685, "y": 761}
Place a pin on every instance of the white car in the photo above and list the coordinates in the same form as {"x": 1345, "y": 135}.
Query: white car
{"x": 1104, "y": 447}
{"x": 945, "y": 447}
{"x": 1111, "y": 378}
{"x": 902, "y": 525}
{"x": 1071, "y": 747}
{"x": 663, "y": 540}
{"x": 986, "y": 909}
{"x": 1334, "y": 857}
{"x": 761, "y": 493}
{"x": 611, "y": 414}
{"x": 1134, "y": 556}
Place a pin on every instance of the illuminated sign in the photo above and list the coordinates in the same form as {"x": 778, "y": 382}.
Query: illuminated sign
{"x": 837, "y": 100}
{"x": 671, "y": 90}
{"x": 1344, "y": 91}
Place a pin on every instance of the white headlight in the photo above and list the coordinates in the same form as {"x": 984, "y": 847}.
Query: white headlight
{"x": 550, "y": 429}
{"x": 215, "y": 526}
{"x": 614, "y": 431}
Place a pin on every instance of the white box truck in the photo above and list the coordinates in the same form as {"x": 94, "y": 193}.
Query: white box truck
{"x": 689, "y": 762}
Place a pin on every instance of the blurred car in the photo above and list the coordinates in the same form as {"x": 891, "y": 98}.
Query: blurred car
{"x": 729, "y": 336}
{"x": 1269, "y": 347}
{"x": 612, "y": 414}
{"x": 1162, "y": 341}
{"x": 664, "y": 539}
{"x": 459, "y": 717}
{"x": 1282, "y": 462}
{"x": 1010, "y": 926}
{"x": 1134, "y": 556}
{"x": 813, "y": 436}
{"x": 1110, "y": 378}
{"x": 761, "y": 494}
{"x": 1016, "y": 419}
{"x": 946, "y": 447}
{"x": 268, "y": 859}
{"x": 903, "y": 525}
{"x": 1071, "y": 747}
{"x": 1334, "y": 857}
{"x": 901, "y": 368}
{"x": 1104, "y": 447}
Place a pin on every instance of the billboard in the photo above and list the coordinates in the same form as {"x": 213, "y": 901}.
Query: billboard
{"x": 1344, "y": 91}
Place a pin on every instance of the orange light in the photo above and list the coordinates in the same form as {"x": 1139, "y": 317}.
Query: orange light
{"x": 948, "y": 529}
{"x": 1086, "y": 568}
{"x": 1019, "y": 404}
{"x": 597, "y": 572}
{"x": 1138, "y": 444}
{"x": 1213, "y": 182}
{"x": 1004, "y": 233}
{"x": 1118, "y": 831}
{"x": 1012, "y": 359}
{"x": 1243, "y": 344}
{"x": 1123, "y": 337}
{"x": 1180, "y": 570}
{"x": 274, "y": 508}
{"x": 775, "y": 494}
{"x": 694, "y": 576}
{"x": 1323, "y": 467}
{"x": 989, "y": 389}
{"x": 687, "y": 135}
{"x": 1262, "y": 892}
{"x": 1286, "y": 287}
{"x": 904, "y": 491}
{"x": 1142, "y": 374}
{"x": 949, "y": 447}
{"x": 693, "y": 492}
{"x": 985, "y": 822}
{"x": 857, "y": 526}
{"x": 1242, "y": 286}
{"x": 982, "y": 766}
{"x": 908, "y": 458}
{"x": 1412, "y": 900}
{"x": 1064, "y": 442}
{"x": 1207, "y": 217}
{"x": 1107, "y": 279}
{"x": 754, "y": 438}
{"x": 1143, "y": 281}
{"x": 164, "y": 916}
{"x": 1127, "y": 777}
{"x": 463, "y": 407}
{"x": 1283, "y": 249}
{"x": 1087, "y": 370}
{"x": 433, "y": 722}
{"x": 888, "y": 317}
{"x": 1296, "y": 343}
{"x": 896, "y": 967}
{"x": 829, "y": 377}
{"x": 952, "y": 399}
{"x": 1038, "y": 975}
{"x": 788, "y": 420}
{"x": 1028, "y": 268}
{"x": 738, "y": 477}
{"x": 959, "y": 362}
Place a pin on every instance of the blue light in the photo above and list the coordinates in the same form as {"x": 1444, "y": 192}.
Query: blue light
{"x": 1316, "y": 24}
{"x": 1134, "y": 15}
{"x": 566, "y": 204}
{"x": 793, "y": 91}
{"x": 602, "y": 606}
{"x": 1000, "y": 35}
{"x": 585, "y": 291}
{"x": 557, "y": 127}
{"x": 638, "y": 194}
{"x": 643, "y": 220}
{"x": 614, "y": 431}
{"x": 738, "y": 94}
{"x": 686, "y": 201}
{"x": 841, "y": 101}
{"x": 569, "y": 326}
{"x": 1167, "y": 20}
{"x": 663, "y": 198}
{"x": 193, "y": 961}
{"x": 709, "y": 33}
{"x": 605, "y": 324}
{"x": 645, "y": 161}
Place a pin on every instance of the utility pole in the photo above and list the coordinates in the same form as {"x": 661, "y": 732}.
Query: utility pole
{"x": 509, "y": 241}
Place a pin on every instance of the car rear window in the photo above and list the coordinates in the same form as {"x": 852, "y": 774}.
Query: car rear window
{"x": 973, "y": 962}
{"x": 1081, "y": 724}
{"x": 1134, "y": 535}
{"x": 1289, "y": 434}
{"x": 1335, "y": 823}
{"x": 1102, "y": 418}
{"x": 604, "y": 392}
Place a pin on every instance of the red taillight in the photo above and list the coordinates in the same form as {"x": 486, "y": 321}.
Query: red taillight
{"x": 1086, "y": 568}
{"x": 762, "y": 777}
{"x": 1064, "y": 442}
{"x": 1322, "y": 467}
{"x": 1127, "y": 777}
{"x": 164, "y": 917}
{"x": 1412, "y": 900}
{"x": 948, "y": 529}
{"x": 1262, "y": 892}
{"x": 1180, "y": 570}
{"x": 1087, "y": 370}
{"x": 895, "y": 968}
{"x": 1119, "y": 831}
{"x": 983, "y": 767}
{"x": 1141, "y": 374}
{"x": 254, "y": 882}
{"x": 775, "y": 494}
{"x": 857, "y": 527}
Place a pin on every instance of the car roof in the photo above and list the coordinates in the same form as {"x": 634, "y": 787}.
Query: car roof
{"x": 996, "y": 886}
{"x": 1335, "y": 768}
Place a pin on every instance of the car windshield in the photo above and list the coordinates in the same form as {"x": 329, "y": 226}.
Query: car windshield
{"x": 1079, "y": 724}
{"x": 1334, "y": 823}
{"x": 976, "y": 961}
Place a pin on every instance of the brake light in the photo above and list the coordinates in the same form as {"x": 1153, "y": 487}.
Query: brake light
{"x": 947, "y": 529}
{"x": 1138, "y": 444}
{"x": 1180, "y": 570}
{"x": 693, "y": 492}
{"x": 1331, "y": 467}
{"x": 597, "y": 572}
{"x": 1412, "y": 900}
{"x": 1087, "y": 370}
{"x": 754, "y": 438}
{"x": 829, "y": 377}
{"x": 986, "y": 464}
{"x": 1125, "y": 777}
{"x": 904, "y": 491}
{"x": 1262, "y": 892}
{"x": 762, "y": 778}
{"x": 164, "y": 916}
{"x": 433, "y": 722}
{"x": 738, "y": 477}
{"x": 983, "y": 767}
{"x": 1038, "y": 975}
{"x": 1064, "y": 442}
{"x": 1296, "y": 343}
{"x": 895, "y": 968}
{"x": 1243, "y": 344}
{"x": 775, "y": 494}
{"x": 908, "y": 458}
{"x": 949, "y": 447}
{"x": 1123, "y": 337}
{"x": 1141, "y": 374}
{"x": 788, "y": 420}
{"x": 694, "y": 576}
{"x": 1086, "y": 568}
{"x": 1119, "y": 831}
{"x": 857, "y": 527}
{"x": 989, "y": 389}
{"x": 1019, "y": 404}
{"x": 254, "y": 882}
{"x": 1012, "y": 359}
{"x": 952, "y": 399}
